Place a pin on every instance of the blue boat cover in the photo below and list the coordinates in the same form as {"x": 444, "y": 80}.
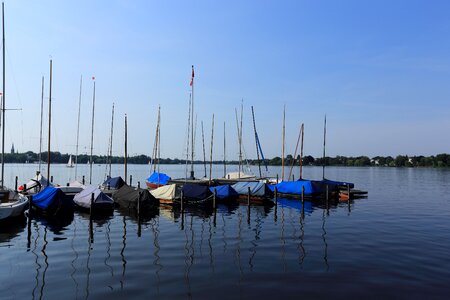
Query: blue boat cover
{"x": 224, "y": 191}
{"x": 295, "y": 187}
{"x": 51, "y": 198}
{"x": 257, "y": 189}
{"x": 195, "y": 192}
{"x": 114, "y": 182}
{"x": 159, "y": 178}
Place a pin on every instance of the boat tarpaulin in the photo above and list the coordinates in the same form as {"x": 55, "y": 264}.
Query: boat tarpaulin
{"x": 195, "y": 192}
{"x": 114, "y": 182}
{"x": 166, "y": 192}
{"x": 338, "y": 183}
{"x": 257, "y": 189}
{"x": 224, "y": 191}
{"x": 51, "y": 198}
{"x": 37, "y": 181}
{"x": 158, "y": 178}
{"x": 295, "y": 187}
{"x": 83, "y": 198}
{"x": 128, "y": 196}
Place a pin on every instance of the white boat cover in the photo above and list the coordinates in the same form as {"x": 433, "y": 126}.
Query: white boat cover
{"x": 35, "y": 182}
{"x": 165, "y": 192}
{"x": 73, "y": 187}
{"x": 83, "y": 198}
{"x": 239, "y": 175}
{"x": 257, "y": 189}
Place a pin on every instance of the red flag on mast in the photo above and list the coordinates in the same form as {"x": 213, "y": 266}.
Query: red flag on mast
{"x": 192, "y": 78}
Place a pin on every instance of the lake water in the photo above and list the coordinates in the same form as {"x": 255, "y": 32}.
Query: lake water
{"x": 393, "y": 244}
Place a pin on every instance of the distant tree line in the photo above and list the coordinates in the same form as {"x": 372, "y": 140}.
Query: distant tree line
{"x": 438, "y": 161}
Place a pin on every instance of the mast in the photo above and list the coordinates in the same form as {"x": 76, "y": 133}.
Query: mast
{"x": 256, "y": 142}
{"x": 283, "y": 141}
{"x": 295, "y": 152}
{"x": 40, "y": 133}
{"x": 211, "y": 153}
{"x": 224, "y": 153}
{"x": 78, "y": 127}
{"x": 324, "y": 139}
{"x": 192, "y": 125}
{"x": 240, "y": 139}
{"x": 126, "y": 148}
{"x": 92, "y": 134}
{"x": 49, "y": 123}
{"x": 3, "y": 96}
{"x": 204, "y": 153}
{"x": 159, "y": 139}
{"x": 111, "y": 141}
{"x": 301, "y": 152}
{"x": 187, "y": 140}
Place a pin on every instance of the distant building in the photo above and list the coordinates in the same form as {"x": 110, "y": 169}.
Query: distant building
{"x": 12, "y": 149}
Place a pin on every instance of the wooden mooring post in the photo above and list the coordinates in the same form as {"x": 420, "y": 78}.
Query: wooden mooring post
{"x": 91, "y": 225}
{"x": 15, "y": 185}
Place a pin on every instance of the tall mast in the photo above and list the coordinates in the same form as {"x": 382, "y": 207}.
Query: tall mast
{"x": 40, "y": 133}
{"x": 204, "y": 153}
{"x": 211, "y": 153}
{"x": 282, "y": 143}
{"x": 159, "y": 139}
{"x": 224, "y": 153}
{"x": 111, "y": 141}
{"x": 126, "y": 149}
{"x": 301, "y": 152}
{"x": 92, "y": 134}
{"x": 3, "y": 96}
{"x": 256, "y": 142}
{"x": 324, "y": 139}
{"x": 240, "y": 137}
{"x": 192, "y": 125}
{"x": 188, "y": 132}
{"x": 295, "y": 152}
{"x": 78, "y": 126}
{"x": 49, "y": 122}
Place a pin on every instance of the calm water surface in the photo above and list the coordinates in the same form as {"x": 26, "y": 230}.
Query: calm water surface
{"x": 394, "y": 244}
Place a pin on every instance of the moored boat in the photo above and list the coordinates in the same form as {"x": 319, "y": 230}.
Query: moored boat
{"x": 93, "y": 197}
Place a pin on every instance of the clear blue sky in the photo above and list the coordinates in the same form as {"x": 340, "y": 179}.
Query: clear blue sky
{"x": 380, "y": 70}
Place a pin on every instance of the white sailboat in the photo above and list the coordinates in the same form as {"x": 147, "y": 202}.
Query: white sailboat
{"x": 12, "y": 204}
{"x": 70, "y": 163}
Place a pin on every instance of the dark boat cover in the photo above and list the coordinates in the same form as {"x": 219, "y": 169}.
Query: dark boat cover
{"x": 224, "y": 191}
{"x": 114, "y": 182}
{"x": 51, "y": 198}
{"x": 338, "y": 183}
{"x": 158, "y": 178}
{"x": 257, "y": 189}
{"x": 127, "y": 197}
{"x": 195, "y": 192}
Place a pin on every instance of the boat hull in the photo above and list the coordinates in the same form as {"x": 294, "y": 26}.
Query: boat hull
{"x": 13, "y": 209}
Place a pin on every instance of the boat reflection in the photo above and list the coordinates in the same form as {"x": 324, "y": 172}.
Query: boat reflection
{"x": 11, "y": 228}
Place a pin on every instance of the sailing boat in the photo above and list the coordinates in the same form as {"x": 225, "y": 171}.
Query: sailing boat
{"x": 70, "y": 163}
{"x": 12, "y": 204}
{"x": 157, "y": 179}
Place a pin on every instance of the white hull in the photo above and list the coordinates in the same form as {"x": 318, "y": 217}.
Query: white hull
{"x": 13, "y": 208}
